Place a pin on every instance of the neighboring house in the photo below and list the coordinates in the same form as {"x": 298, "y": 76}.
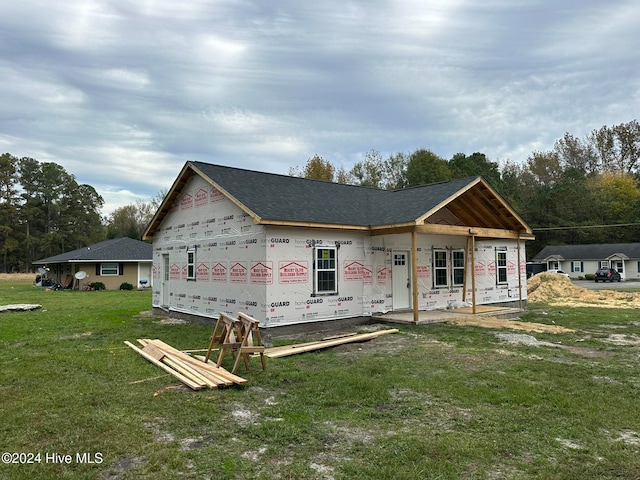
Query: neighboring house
{"x": 579, "y": 260}
{"x": 111, "y": 262}
{"x": 290, "y": 250}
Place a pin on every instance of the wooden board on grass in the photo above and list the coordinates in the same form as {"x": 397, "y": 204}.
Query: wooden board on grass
{"x": 278, "y": 352}
{"x": 186, "y": 380}
{"x": 228, "y": 377}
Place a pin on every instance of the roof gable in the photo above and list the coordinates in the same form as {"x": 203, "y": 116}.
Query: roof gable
{"x": 287, "y": 200}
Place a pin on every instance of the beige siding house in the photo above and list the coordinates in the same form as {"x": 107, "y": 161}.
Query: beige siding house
{"x": 111, "y": 262}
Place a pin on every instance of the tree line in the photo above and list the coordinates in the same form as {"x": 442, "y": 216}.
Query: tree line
{"x": 583, "y": 190}
{"x": 44, "y": 211}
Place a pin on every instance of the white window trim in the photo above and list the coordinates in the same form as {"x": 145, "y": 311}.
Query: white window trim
{"x": 437, "y": 268}
{"x": 106, "y": 273}
{"x": 191, "y": 263}
{"x": 499, "y": 251}
{"x": 454, "y": 268}
{"x": 317, "y": 270}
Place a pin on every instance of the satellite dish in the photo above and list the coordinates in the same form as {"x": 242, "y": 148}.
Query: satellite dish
{"x": 42, "y": 270}
{"x": 80, "y": 275}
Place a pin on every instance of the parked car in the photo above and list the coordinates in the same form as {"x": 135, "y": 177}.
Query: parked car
{"x": 559, "y": 272}
{"x": 607, "y": 275}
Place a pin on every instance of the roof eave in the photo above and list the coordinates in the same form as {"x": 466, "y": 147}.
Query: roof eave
{"x": 288, "y": 223}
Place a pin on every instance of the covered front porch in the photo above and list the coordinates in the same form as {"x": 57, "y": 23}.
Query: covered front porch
{"x": 472, "y": 217}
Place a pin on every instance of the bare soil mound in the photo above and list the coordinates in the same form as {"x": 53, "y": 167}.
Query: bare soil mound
{"x": 558, "y": 290}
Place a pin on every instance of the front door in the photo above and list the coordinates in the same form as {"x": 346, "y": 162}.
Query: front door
{"x": 401, "y": 278}
{"x": 165, "y": 280}
{"x": 619, "y": 266}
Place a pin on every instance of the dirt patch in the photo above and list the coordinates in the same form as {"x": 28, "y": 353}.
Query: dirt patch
{"x": 21, "y": 307}
{"x": 623, "y": 340}
{"x": 493, "y": 322}
{"x": 243, "y": 416}
{"x": 629, "y": 437}
{"x": 171, "y": 321}
{"x": 559, "y": 291}
{"x": 76, "y": 336}
{"x": 524, "y": 339}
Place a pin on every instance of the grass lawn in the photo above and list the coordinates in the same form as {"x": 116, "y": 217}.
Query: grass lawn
{"x": 439, "y": 401}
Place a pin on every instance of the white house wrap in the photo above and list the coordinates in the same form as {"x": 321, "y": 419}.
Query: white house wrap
{"x": 288, "y": 250}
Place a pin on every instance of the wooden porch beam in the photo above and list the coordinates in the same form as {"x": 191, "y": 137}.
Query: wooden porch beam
{"x": 434, "y": 229}
{"x": 393, "y": 229}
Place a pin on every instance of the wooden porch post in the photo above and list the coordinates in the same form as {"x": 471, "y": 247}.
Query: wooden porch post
{"x": 473, "y": 273}
{"x": 414, "y": 274}
{"x": 519, "y": 278}
{"x": 466, "y": 270}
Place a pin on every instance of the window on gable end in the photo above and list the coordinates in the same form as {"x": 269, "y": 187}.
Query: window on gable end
{"x": 191, "y": 263}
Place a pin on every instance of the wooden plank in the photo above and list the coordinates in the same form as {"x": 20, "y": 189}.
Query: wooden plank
{"x": 223, "y": 371}
{"x": 203, "y": 370}
{"x": 154, "y": 351}
{"x": 188, "y": 371}
{"x": 197, "y": 360}
{"x": 340, "y": 335}
{"x": 188, "y": 382}
{"x": 299, "y": 345}
{"x": 434, "y": 229}
{"x": 184, "y": 359}
{"x": 326, "y": 344}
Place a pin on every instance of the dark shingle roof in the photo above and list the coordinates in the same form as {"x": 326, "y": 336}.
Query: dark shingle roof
{"x": 294, "y": 199}
{"x": 114, "y": 250}
{"x": 287, "y": 200}
{"x": 598, "y": 251}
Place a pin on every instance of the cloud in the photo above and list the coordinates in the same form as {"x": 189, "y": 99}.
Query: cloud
{"x": 122, "y": 93}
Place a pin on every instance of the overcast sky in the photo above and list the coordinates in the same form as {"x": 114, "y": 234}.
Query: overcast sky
{"x": 122, "y": 93}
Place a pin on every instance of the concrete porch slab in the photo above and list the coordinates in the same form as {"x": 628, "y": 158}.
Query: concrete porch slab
{"x": 439, "y": 316}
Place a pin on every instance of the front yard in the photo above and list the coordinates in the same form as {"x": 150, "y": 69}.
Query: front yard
{"x": 439, "y": 401}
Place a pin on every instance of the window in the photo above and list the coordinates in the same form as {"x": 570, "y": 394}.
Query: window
{"x": 577, "y": 266}
{"x": 501, "y": 265}
{"x": 109, "y": 269}
{"x": 191, "y": 264}
{"x": 441, "y": 279}
{"x": 326, "y": 271}
{"x": 458, "y": 267}
{"x": 604, "y": 264}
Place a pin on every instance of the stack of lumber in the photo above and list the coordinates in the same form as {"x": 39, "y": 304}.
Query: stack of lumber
{"x": 194, "y": 373}
{"x": 276, "y": 352}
